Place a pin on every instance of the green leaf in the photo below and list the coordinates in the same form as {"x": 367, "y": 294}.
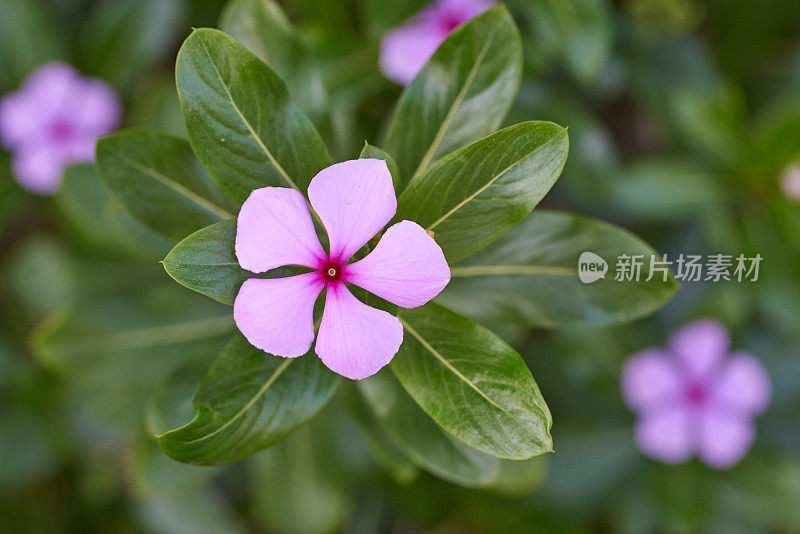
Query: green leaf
{"x": 461, "y": 95}
{"x": 248, "y": 401}
{"x": 530, "y": 276}
{"x": 472, "y": 384}
{"x": 240, "y": 121}
{"x": 472, "y": 196}
{"x": 373, "y": 152}
{"x": 158, "y": 180}
{"x": 425, "y": 443}
{"x": 206, "y": 262}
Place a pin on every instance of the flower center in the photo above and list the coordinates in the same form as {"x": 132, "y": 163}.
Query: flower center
{"x": 696, "y": 394}
{"x": 61, "y": 130}
{"x": 450, "y": 22}
{"x": 331, "y": 272}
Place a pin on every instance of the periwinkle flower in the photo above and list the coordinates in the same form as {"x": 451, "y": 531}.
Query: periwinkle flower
{"x": 406, "y": 49}
{"x": 354, "y": 200}
{"x": 693, "y": 398}
{"x": 53, "y": 121}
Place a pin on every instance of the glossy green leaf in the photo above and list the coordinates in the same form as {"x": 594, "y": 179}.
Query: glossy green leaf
{"x": 530, "y": 276}
{"x": 472, "y": 384}
{"x": 159, "y": 181}
{"x": 461, "y": 95}
{"x": 472, "y": 196}
{"x": 240, "y": 121}
{"x": 373, "y": 152}
{"x": 206, "y": 262}
{"x": 248, "y": 401}
{"x": 421, "y": 439}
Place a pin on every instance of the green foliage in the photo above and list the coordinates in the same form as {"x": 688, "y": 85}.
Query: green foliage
{"x": 241, "y": 123}
{"x": 472, "y": 384}
{"x": 461, "y": 95}
{"x": 248, "y": 401}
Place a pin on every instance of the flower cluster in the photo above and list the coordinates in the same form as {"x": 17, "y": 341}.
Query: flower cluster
{"x": 693, "y": 399}
{"x": 354, "y": 200}
{"x": 53, "y": 121}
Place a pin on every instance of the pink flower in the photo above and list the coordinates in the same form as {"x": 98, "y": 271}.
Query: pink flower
{"x": 354, "y": 201}
{"x": 694, "y": 399}
{"x": 406, "y": 49}
{"x": 790, "y": 181}
{"x": 53, "y": 121}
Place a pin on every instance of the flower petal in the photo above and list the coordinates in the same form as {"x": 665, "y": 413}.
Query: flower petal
{"x": 406, "y": 267}
{"x": 723, "y": 440}
{"x": 274, "y": 229}
{"x": 96, "y": 110}
{"x": 701, "y": 346}
{"x": 39, "y": 169}
{"x": 356, "y": 340}
{"x": 276, "y": 315}
{"x": 665, "y": 435}
{"x": 650, "y": 377}
{"x": 405, "y": 50}
{"x": 355, "y": 199}
{"x": 742, "y": 386}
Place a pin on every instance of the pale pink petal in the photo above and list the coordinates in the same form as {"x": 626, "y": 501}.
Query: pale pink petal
{"x": 724, "y": 440}
{"x": 354, "y": 199}
{"x": 21, "y": 121}
{"x": 276, "y": 315}
{"x": 650, "y": 377}
{"x": 743, "y": 386}
{"x": 665, "y": 435}
{"x": 55, "y": 86}
{"x": 96, "y": 111}
{"x": 406, "y": 267}
{"x": 405, "y": 50}
{"x": 274, "y": 228}
{"x": 701, "y": 346}
{"x": 356, "y": 340}
{"x": 39, "y": 169}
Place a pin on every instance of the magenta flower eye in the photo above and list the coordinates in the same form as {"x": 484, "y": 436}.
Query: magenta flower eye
{"x": 53, "y": 121}
{"x": 406, "y": 49}
{"x": 695, "y": 399}
{"x": 354, "y": 201}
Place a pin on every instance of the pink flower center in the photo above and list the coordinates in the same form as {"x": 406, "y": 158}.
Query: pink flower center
{"x": 449, "y": 22}
{"x": 61, "y": 131}
{"x": 331, "y": 272}
{"x": 696, "y": 394}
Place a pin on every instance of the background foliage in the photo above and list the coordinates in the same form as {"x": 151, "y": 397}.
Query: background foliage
{"x": 682, "y": 117}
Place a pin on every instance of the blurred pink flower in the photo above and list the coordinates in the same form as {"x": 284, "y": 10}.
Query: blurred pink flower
{"x": 790, "y": 181}
{"x": 406, "y": 49}
{"x": 53, "y": 121}
{"x": 693, "y": 398}
{"x": 354, "y": 201}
